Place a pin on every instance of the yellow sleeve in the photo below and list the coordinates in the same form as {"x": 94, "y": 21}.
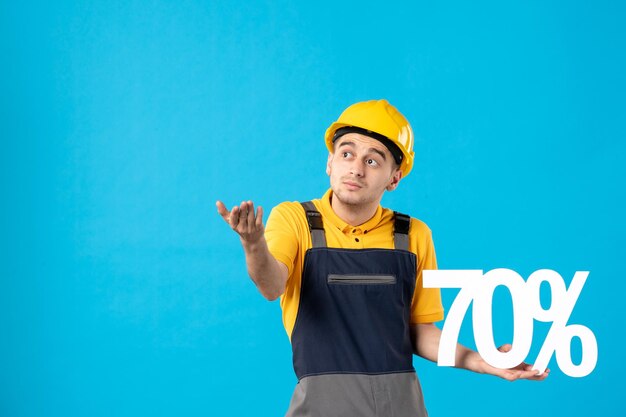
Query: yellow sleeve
{"x": 426, "y": 306}
{"x": 287, "y": 235}
{"x": 281, "y": 234}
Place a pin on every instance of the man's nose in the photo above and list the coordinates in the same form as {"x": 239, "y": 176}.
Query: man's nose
{"x": 357, "y": 168}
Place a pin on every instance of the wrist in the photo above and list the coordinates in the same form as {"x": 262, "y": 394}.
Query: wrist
{"x": 472, "y": 361}
{"x": 252, "y": 246}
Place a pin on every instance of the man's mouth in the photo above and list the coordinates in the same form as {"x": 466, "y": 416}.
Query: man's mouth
{"x": 352, "y": 185}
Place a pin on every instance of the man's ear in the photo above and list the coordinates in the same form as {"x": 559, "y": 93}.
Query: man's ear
{"x": 330, "y": 158}
{"x": 395, "y": 180}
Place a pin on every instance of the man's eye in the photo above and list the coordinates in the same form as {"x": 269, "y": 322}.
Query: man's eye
{"x": 346, "y": 154}
{"x": 372, "y": 162}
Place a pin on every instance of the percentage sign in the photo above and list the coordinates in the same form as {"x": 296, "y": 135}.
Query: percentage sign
{"x": 560, "y": 336}
{"x": 478, "y": 288}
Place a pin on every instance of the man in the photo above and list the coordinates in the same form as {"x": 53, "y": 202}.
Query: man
{"x": 349, "y": 274}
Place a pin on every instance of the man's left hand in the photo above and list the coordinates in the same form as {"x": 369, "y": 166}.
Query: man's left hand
{"x": 521, "y": 371}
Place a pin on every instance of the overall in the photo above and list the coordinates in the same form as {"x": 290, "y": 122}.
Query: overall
{"x": 351, "y": 343}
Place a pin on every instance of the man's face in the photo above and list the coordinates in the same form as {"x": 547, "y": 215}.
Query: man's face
{"x": 361, "y": 169}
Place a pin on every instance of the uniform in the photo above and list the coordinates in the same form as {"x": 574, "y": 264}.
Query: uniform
{"x": 351, "y": 295}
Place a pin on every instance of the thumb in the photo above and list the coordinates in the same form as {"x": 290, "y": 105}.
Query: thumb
{"x": 222, "y": 210}
{"x": 505, "y": 348}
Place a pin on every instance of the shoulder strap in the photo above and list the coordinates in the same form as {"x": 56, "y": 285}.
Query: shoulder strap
{"x": 401, "y": 226}
{"x": 316, "y": 226}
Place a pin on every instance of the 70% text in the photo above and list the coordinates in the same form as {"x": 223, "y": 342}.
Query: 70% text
{"x": 478, "y": 287}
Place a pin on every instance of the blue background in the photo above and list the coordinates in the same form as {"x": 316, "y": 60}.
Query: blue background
{"x": 122, "y": 122}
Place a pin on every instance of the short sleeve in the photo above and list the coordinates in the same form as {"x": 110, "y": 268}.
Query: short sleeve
{"x": 281, "y": 235}
{"x": 426, "y": 306}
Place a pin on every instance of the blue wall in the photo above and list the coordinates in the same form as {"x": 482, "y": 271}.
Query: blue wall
{"x": 121, "y": 122}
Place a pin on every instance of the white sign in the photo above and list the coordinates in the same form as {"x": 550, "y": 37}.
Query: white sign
{"x": 478, "y": 287}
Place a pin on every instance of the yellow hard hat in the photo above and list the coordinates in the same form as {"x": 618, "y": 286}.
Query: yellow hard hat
{"x": 378, "y": 118}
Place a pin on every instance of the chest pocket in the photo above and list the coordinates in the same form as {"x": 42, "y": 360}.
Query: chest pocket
{"x": 352, "y": 279}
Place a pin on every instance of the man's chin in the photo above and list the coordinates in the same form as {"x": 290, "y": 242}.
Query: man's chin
{"x": 349, "y": 198}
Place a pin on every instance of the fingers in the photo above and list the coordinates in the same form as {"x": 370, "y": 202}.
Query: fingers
{"x": 250, "y": 218}
{"x": 522, "y": 371}
{"x": 234, "y": 217}
{"x": 242, "y": 219}
{"x": 526, "y": 372}
{"x": 514, "y": 375}
{"x": 255, "y": 222}
{"x": 505, "y": 348}
{"x": 259, "y": 217}
{"x": 222, "y": 210}
{"x": 507, "y": 374}
{"x": 539, "y": 377}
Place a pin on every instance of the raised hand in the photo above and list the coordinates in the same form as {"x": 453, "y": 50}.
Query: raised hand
{"x": 243, "y": 220}
{"x": 269, "y": 275}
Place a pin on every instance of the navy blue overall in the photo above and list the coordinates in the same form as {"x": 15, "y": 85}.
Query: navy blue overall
{"x": 351, "y": 343}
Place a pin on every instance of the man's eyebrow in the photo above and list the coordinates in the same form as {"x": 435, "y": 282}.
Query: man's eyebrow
{"x": 346, "y": 143}
{"x": 370, "y": 150}
{"x": 378, "y": 151}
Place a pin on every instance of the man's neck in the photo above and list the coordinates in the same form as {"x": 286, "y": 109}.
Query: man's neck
{"x": 354, "y": 215}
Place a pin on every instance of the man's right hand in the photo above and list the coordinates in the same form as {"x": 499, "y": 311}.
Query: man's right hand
{"x": 269, "y": 275}
{"x": 243, "y": 220}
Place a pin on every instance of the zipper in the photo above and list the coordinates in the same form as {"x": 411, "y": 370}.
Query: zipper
{"x": 361, "y": 279}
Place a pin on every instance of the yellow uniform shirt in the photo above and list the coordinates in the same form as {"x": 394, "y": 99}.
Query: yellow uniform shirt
{"x": 288, "y": 238}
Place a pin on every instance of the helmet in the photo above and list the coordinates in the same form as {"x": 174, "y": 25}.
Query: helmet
{"x": 378, "y": 116}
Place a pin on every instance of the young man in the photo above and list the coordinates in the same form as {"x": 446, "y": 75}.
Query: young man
{"x": 349, "y": 274}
